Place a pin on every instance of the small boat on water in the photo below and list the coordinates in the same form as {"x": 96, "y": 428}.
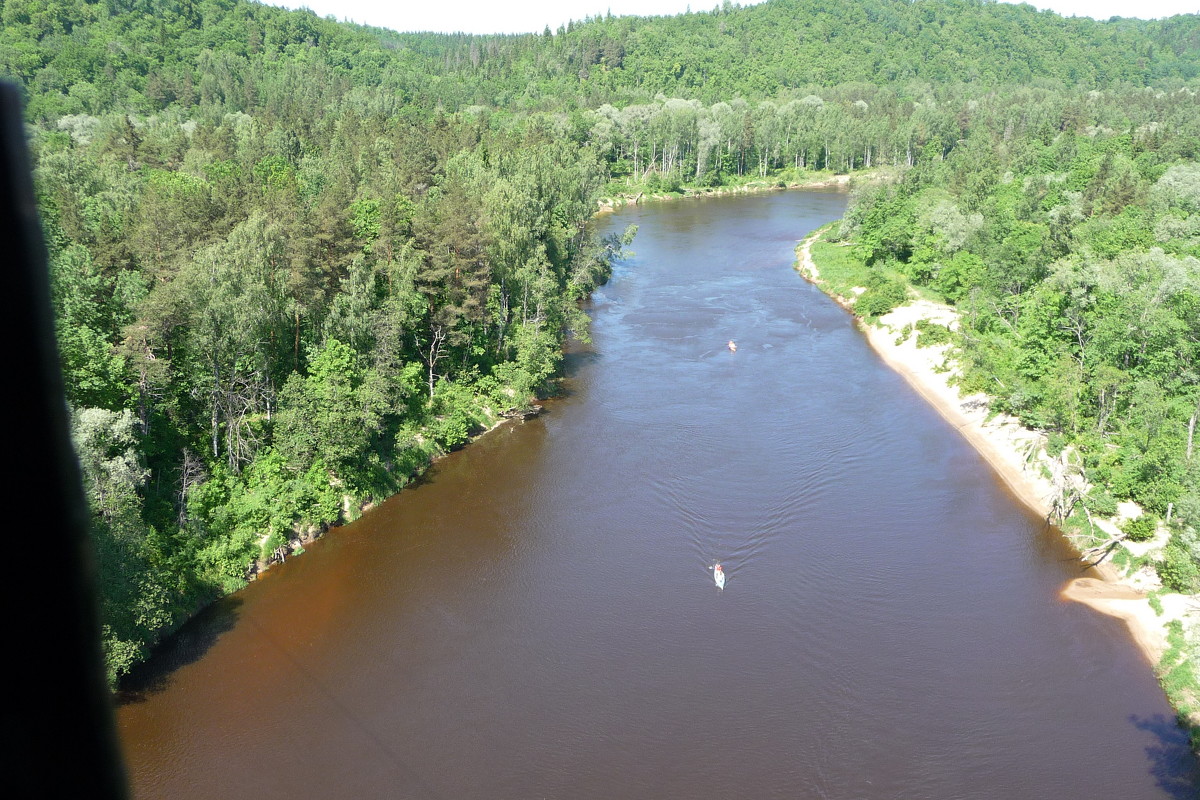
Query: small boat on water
{"x": 732, "y": 346}
{"x": 719, "y": 576}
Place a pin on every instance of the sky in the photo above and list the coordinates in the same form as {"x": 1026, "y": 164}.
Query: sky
{"x": 532, "y": 16}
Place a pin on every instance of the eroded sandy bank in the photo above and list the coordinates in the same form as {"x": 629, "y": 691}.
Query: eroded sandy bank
{"x": 1016, "y": 453}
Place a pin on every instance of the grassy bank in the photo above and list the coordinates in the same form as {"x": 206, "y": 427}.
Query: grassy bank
{"x": 625, "y": 191}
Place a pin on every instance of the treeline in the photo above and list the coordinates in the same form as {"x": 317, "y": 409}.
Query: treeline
{"x": 1073, "y": 257}
{"x": 76, "y": 57}
{"x": 257, "y": 329}
{"x": 781, "y": 45}
{"x": 860, "y": 126}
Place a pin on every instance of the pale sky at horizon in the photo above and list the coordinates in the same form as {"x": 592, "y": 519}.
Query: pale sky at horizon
{"x": 532, "y": 16}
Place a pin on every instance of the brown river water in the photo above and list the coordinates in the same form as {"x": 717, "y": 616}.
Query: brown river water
{"x": 537, "y": 619}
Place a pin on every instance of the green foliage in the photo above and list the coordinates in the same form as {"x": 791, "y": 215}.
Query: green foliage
{"x": 931, "y": 334}
{"x": 106, "y": 445}
{"x": 413, "y": 451}
{"x": 840, "y": 267}
{"x": 1177, "y": 674}
{"x": 456, "y": 416}
{"x": 955, "y": 276}
{"x": 1178, "y": 570}
{"x": 1155, "y": 601}
{"x": 1122, "y": 561}
{"x": 1100, "y": 502}
{"x": 730, "y": 51}
{"x": 1070, "y": 254}
{"x": 1140, "y": 529}
{"x": 882, "y": 295}
{"x": 279, "y": 266}
{"x": 537, "y": 358}
{"x": 331, "y": 414}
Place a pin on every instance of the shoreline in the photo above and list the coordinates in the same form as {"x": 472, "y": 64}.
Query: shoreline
{"x": 1014, "y": 452}
{"x": 607, "y": 205}
{"x": 351, "y": 508}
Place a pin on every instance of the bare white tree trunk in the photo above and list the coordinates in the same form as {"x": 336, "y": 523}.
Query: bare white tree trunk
{"x": 1191, "y": 432}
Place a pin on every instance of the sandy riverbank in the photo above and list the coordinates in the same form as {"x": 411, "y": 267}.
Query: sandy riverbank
{"x": 1015, "y": 452}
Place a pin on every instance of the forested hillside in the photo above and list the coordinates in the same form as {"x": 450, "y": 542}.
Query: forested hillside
{"x": 294, "y": 259}
{"x": 801, "y": 44}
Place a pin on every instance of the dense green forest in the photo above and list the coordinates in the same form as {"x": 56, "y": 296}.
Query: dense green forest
{"x": 293, "y": 259}
{"x": 788, "y": 45}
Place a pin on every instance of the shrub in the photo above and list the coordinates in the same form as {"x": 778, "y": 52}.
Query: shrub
{"x": 1177, "y": 570}
{"x": 1141, "y": 529}
{"x": 1099, "y": 501}
{"x": 275, "y": 540}
{"x": 931, "y": 334}
{"x": 222, "y": 563}
{"x": 456, "y": 412}
{"x": 120, "y": 655}
{"x": 412, "y": 452}
{"x": 880, "y": 298}
{"x": 451, "y": 431}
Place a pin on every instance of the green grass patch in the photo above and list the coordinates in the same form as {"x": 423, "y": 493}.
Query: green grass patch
{"x": 839, "y": 267}
{"x": 1120, "y": 559}
{"x": 1177, "y": 674}
{"x": 1155, "y": 601}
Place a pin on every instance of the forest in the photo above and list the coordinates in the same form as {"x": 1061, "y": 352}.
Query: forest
{"x": 293, "y": 260}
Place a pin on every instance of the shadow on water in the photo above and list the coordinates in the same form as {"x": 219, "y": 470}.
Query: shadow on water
{"x": 574, "y": 360}
{"x": 1172, "y": 763}
{"x": 186, "y": 646}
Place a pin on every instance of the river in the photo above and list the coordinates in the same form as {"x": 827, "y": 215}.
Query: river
{"x": 537, "y": 619}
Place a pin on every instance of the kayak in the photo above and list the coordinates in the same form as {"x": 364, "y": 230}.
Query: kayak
{"x": 719, "y": 576}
